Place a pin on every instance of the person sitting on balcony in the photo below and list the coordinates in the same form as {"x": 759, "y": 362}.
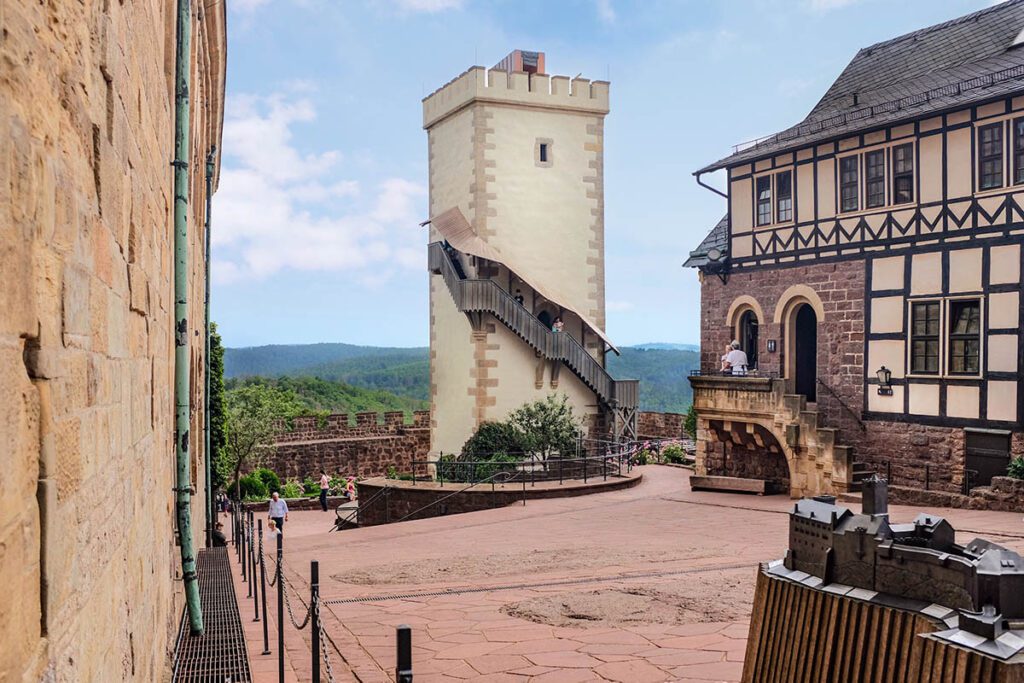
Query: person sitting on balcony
{"x": 736, "y": 359}
{"x": 724, "y": 368}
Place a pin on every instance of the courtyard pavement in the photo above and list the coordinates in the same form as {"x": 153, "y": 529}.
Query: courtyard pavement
{"x": 651, "y": 583}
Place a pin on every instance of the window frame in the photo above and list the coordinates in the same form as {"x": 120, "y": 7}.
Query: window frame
{"x": 912, "y": 337}
{"x": 949, "y": 336}
{"x": 1017, "y": 163}
{"x": 868, "y": 179}
{"x": 779, "y": 196}
{"x": 767, "y": 201}
{"x": 855, "y": 183}
{"x": 898, "y": 175}
{"x": 999, "y": 155}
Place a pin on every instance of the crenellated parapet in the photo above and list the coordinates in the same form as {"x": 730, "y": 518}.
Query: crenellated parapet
{"x": 478, "y": 84}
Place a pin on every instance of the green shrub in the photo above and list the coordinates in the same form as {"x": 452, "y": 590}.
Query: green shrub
{"x": 1016, "y": 468}
{"x": 642, "y": 457}
{"x": 291, "y": 489}
{"x": 690, "y": 423}
{"x": 311, "y": 487}
{"x": 457, "y": 469}
{"x": 492, "y": 438}
{"x": 269, "y": 478}
{"x": 336, "y": 484}
{"x": 674, "y": 454}
{"x": 251, "y": 486}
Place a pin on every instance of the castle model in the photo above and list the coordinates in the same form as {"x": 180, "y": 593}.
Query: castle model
{"x": 517, "y": 242}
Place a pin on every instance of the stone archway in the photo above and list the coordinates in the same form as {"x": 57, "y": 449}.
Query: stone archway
{"x": 796, "y": 308}
{"x": 748, "y": 450}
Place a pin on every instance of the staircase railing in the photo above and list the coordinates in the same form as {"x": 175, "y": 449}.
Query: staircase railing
{"x": 482, "y": 295}
{"x": 842, "y": 403}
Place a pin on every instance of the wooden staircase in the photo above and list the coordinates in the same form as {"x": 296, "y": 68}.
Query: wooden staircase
{"x": 475, "y": 296}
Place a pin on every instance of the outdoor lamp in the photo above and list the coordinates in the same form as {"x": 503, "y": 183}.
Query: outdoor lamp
{"x": 884, "y": 378}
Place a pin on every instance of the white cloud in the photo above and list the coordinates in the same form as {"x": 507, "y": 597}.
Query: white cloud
{"x": 618, "y": 306}
{"x": 605, "y": 11}
{"x": 278, "y": 208}
{"x": 428, "y": 6}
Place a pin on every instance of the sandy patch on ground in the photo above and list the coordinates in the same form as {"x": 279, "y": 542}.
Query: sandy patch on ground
{"x": 492, "y": 565}
{"x": 694, "y": 599}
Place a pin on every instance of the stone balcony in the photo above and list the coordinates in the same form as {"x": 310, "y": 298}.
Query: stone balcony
{"x": 747, "y": 426}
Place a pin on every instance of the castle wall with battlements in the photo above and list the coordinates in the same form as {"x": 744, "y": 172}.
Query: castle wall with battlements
{"x": 88, "y": 560}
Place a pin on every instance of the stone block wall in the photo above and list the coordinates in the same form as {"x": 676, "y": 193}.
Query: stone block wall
{"x": 88, "y": 559}
{"x": 363, "y": 445}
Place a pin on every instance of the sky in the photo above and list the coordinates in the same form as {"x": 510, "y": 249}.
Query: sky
{"x": 324, "y": 160}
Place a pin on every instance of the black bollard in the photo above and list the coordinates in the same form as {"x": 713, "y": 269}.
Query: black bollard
{"x": 280, "y": 611}
{"x": 403, "y": 648}
{"x": 314, "y": 593}
{"x": 247, "y": 555}
{"x": 252, "y": 573}
{"x": 263, "y": 591}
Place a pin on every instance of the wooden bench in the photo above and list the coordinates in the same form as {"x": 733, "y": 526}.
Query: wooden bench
{"x": 732, "y": 484}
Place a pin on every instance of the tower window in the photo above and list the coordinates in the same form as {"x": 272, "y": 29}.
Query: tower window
{"x": 544, "y": 151}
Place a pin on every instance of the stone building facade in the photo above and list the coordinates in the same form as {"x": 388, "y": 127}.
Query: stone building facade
{"x": 517, "y": 240}
{"x": 88, "y": 559}
{"x": 870, "y": 267}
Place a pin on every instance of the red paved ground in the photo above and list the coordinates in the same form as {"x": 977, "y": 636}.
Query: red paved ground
{"x": 651, "y": 583}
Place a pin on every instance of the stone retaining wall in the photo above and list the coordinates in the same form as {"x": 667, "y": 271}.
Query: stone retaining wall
{"x": 405, "y": 497}
{"x": 1005, "y": 494}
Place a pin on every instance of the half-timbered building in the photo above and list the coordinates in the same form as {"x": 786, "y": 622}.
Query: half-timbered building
{"x": 869, "y": 264}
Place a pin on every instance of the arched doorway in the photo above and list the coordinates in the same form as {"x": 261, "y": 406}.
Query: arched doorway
{"x": 747, "y": 336}
{"x": 805, "y": 362}
{"x": 546, "y": 318}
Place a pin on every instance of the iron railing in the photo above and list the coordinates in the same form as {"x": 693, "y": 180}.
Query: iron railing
{"x": 486, "y": 296}
{"x": 530, "y": 470}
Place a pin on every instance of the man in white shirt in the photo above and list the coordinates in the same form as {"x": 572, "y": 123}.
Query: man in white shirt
{"x": 278, "y": 511}
{"x": 736, "y": 359}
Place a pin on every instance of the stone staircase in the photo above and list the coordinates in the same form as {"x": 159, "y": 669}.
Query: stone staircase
{"x": 805, "y": 429}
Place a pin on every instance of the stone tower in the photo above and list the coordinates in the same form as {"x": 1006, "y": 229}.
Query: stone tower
{"x": 516, "y": 241}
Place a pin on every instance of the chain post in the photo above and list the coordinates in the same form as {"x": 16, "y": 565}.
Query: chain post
{"x": 280, "y": 610}
{"x": 263, "y": 589}
{"x": 242, "y": 560}
{"x": 403, "y": 647}
{"x": 252, "y": 573}
{"x": 249, "y": 557}
{"x": 314, "y": 596}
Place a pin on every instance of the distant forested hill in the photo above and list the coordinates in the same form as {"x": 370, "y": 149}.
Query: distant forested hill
{"x": 405, "y": 372}
{"x": 334, "y": 396}
{"x": 662, "y": 372}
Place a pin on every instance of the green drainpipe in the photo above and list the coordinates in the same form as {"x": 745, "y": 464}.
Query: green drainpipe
{"x": 183, "y": 485}
{"x": 211, "y": 514}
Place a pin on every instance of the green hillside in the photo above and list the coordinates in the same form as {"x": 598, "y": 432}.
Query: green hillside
{"x": 337, "y": 397}
{"x": 404, "y": 373}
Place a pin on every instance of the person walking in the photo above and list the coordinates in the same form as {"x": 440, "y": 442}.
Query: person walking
{"x": 278, "y": 511}
{"x": 325, "y": 485}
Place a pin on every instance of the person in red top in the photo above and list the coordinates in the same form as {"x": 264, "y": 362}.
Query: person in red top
{"x": 350, "y": 488}
{"x": 325, "y": 485}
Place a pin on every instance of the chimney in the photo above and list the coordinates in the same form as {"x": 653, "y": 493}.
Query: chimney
{"x": 875, "y": 496}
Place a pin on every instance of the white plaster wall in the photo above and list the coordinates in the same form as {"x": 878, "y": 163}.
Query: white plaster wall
{"x": 452, "y": 406}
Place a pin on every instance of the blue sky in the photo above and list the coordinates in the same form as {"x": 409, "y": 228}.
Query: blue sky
{"x": 324, "y": 160}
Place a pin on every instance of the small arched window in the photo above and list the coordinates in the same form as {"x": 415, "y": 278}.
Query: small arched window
{"x": 747, "y": 335}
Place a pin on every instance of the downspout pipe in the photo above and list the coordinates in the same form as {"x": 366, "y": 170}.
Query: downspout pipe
{"x": 211, "y": 513}
{"x": 708, "y": 187}
{"x": 182, "y": 348}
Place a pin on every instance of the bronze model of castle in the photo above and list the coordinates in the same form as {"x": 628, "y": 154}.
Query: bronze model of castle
{"x": 860, "y": 598}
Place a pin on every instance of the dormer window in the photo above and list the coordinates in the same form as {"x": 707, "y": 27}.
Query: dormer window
{"x": 764, "y": 200}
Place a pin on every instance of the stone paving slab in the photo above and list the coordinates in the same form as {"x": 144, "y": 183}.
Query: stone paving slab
{"x": 484, "y": 592}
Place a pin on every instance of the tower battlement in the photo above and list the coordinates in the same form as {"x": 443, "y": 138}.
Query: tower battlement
{"x": 515, "y": 88}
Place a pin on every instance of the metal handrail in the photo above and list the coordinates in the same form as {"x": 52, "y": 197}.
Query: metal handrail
{"x": 484, "y": 295}
{"x": 841, "y": 402}
{"x": 355, "y": 513}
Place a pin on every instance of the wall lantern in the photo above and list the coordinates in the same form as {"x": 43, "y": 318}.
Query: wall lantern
{"x": 884, "y": 379}
{"x": 771, "y": 346}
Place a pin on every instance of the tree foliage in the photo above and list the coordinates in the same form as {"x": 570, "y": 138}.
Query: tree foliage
{"x": 217, "y": 416}
{"x": 253, "y": 413}
{"x": 493, "y": 438}
{"x": 335, "y": 396}
{"x": 548, "y": 426}
{"x": 690, "y": 424}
